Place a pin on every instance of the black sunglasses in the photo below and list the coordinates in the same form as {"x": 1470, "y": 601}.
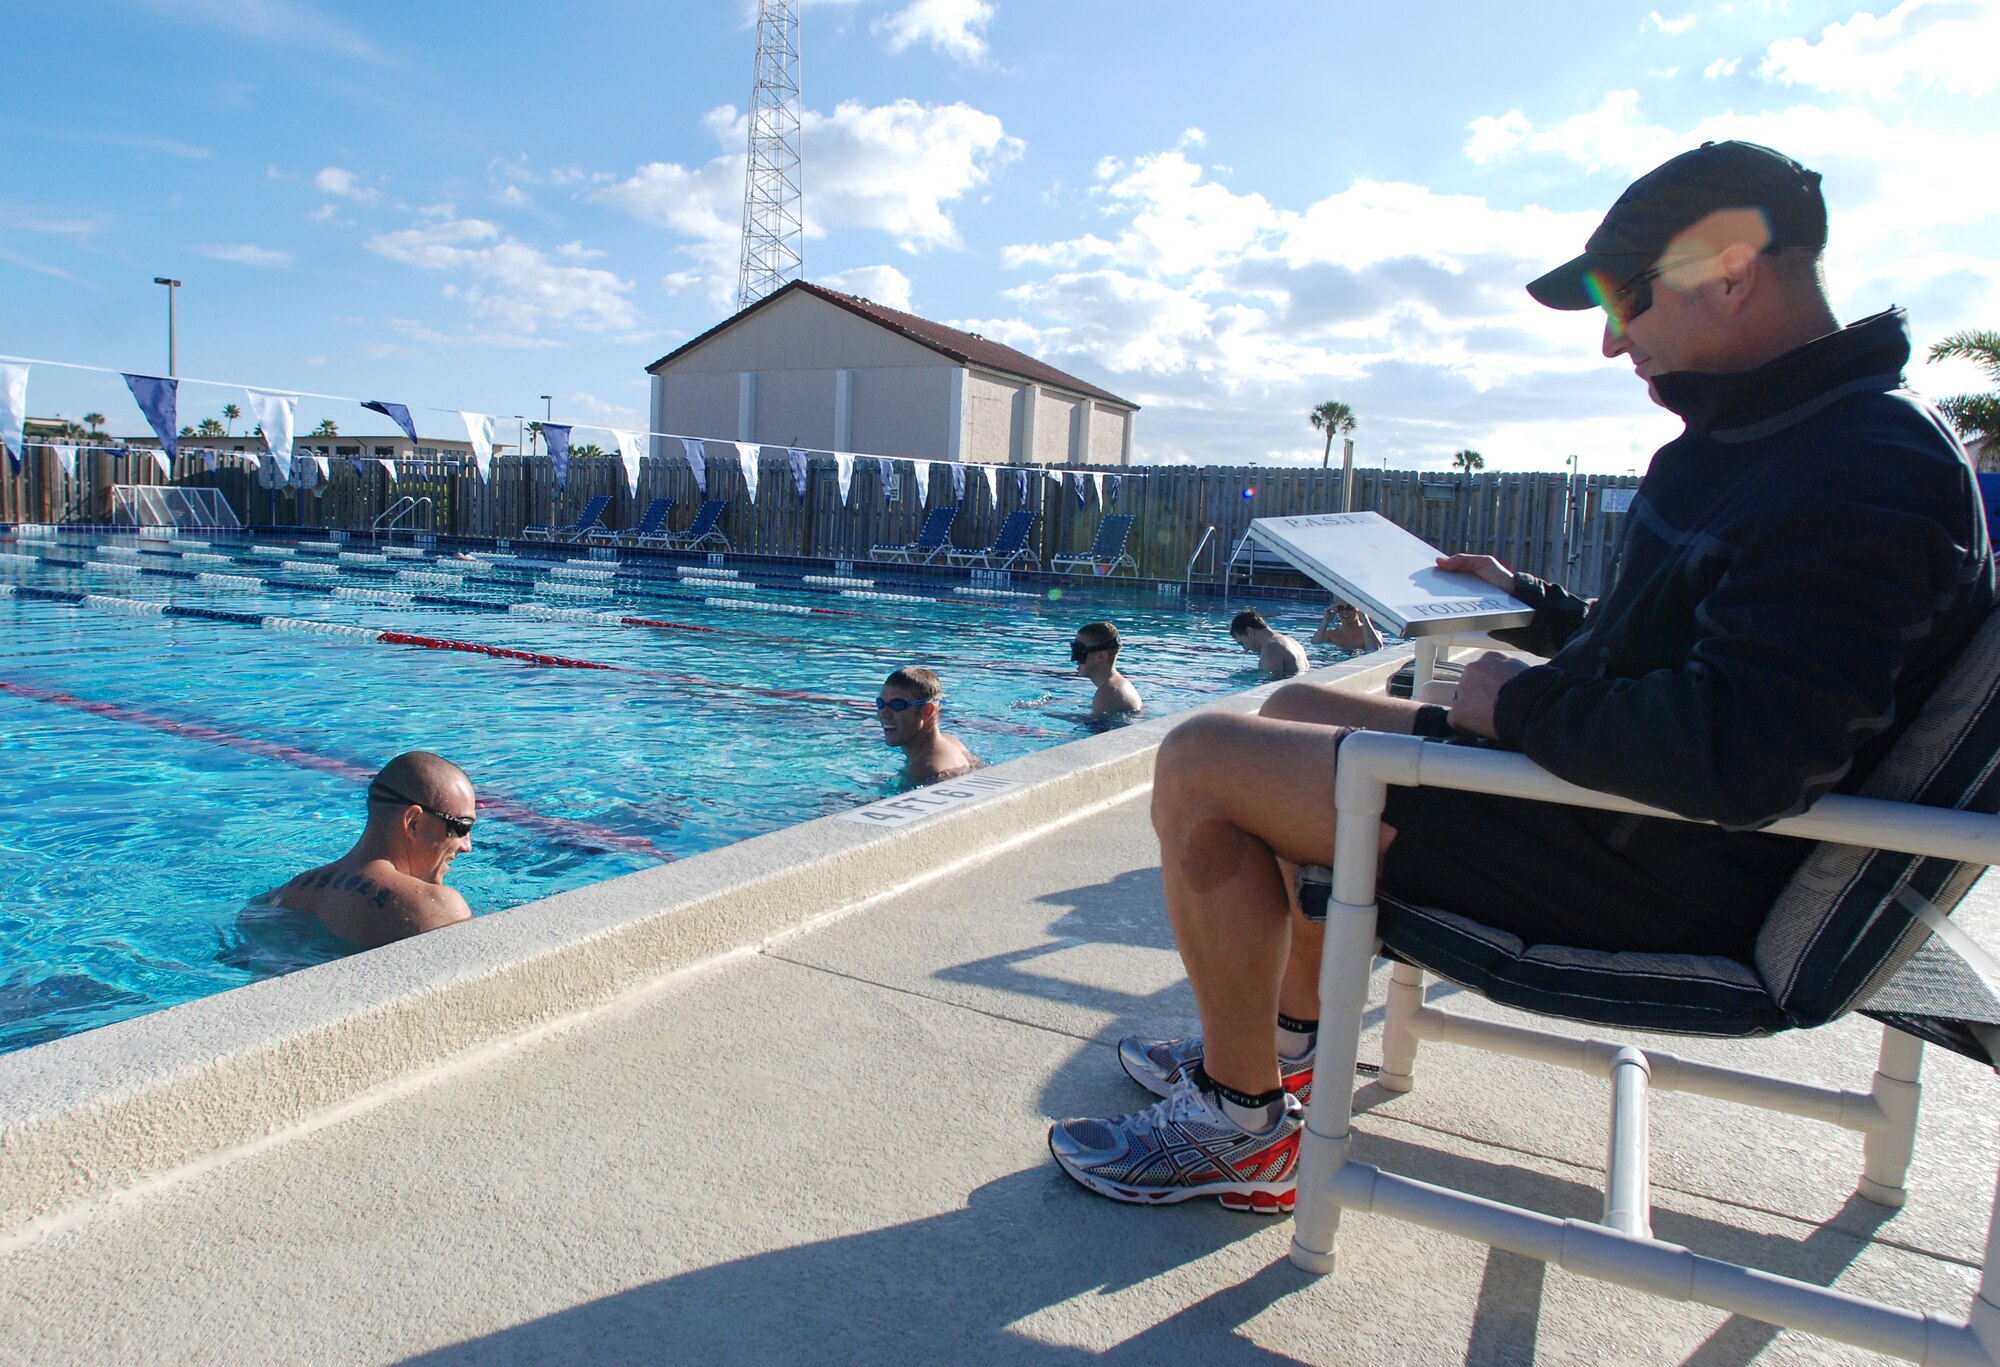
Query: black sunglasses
{"x": 903, "y": 704}
{"x": 1079, "y": 652}
{"x": 458, "y": 827}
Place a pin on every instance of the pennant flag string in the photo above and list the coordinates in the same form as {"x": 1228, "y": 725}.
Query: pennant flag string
{"x": 155, "y": 397}
{"x": 631, "y": 447}
{"x": 480, "y": 429}
{"x": 746, "y": 454}
{"x": 479, "y": 432}
{"x": 396, "y": 413}
{"x": 14, "y": 408}
{"x": 797, "y": 458}
{"x": 276, "y": 413}
{"x": 697, "y": 462}
{"x": 555, "y": 439}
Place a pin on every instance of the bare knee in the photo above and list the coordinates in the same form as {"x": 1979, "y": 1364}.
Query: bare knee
{"x": 1306, "y": 702}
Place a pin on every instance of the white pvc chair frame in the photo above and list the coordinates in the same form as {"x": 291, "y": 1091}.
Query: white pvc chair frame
{"x": 1621, "y": 1248}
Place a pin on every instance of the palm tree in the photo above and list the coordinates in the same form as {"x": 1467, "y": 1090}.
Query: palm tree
{"x": 1467, "y": 460}
{"x": 231, "y": 412}
{"x": 589, "y": 448}
{"x": 1976, "y": 416}
{"x": 95, "y": 421}
{"x": 534, "y": 435}
{"x": 326, "y": 428}
{"x": 1331, "y": 417}
{"x": 209, "y": 428}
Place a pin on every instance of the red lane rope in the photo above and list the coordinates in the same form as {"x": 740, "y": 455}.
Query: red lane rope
{"x": 572, "y": 832}
{"x": 404, "y": 638}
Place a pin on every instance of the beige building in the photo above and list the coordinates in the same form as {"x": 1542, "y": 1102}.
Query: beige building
{"x": 813, "y": 368}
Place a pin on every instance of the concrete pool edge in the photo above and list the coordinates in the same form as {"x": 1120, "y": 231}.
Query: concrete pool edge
{"x": 86, "y": 1117}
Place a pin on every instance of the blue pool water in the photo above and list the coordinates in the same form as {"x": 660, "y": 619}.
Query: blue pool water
{"x": 162, "y": 770}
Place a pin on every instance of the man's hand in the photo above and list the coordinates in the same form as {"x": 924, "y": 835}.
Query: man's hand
{"x": 1480, "y": 687}
{"x": 1485, "y": 566}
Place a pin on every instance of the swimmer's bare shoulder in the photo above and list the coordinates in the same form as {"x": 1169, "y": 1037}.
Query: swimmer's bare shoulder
{"x": 372, "y": 904}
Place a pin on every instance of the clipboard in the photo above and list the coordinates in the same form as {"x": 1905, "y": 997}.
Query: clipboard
{"x": 1388, "y": 573}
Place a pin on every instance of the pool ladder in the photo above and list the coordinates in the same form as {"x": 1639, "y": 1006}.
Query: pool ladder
{"x": 1187, "y": 581}
{"x": 395, "y": 513}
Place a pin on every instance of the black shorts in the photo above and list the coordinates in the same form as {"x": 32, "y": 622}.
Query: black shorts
{"x": 1593, "y": 880}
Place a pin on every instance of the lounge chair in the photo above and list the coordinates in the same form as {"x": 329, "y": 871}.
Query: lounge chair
{"x": 1848, "y": 933}
{"x": 933, "y": 540}
{"x": 647, "y": 528}
{"x": 1107, "y": 550}
{"x": 703, "y": 529}
{"x": 1009, "y": 546}
{"x": 576, "y": 530}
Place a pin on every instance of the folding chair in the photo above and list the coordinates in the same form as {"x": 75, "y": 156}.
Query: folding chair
{"x": 933, "y": 539}
{"x": 1847, "y": 933}
{"x": 576, "y": 530}
{"x": 1107, "y": 549}
{"x": 649, "y": 527}
{"x": 1009, "y": 546}
{"x": 705, "y": 527}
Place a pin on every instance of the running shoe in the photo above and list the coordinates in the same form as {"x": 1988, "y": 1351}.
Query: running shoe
{"x": 1180, "y": 1147}
{"x": 1160, "y": 1065}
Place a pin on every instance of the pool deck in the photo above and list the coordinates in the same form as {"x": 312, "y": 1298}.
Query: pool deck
{"x": 827, "y": 1144}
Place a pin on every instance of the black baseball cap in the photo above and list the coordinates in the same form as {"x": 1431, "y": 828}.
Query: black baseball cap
{"x": 1669, "y": 198}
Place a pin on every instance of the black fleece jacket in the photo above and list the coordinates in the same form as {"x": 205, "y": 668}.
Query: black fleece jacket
{"x": 1797, "y": 571}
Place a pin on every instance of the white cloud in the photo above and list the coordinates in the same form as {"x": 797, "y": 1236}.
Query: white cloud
{"x": 282, "y": 23}
{"x": 953, "y": 27}
{"x": 512, "y": 196}
{"x": 333, "y": 180}
{"x": 514, "y": 288}
{"x": 1656, "y": 23}
{"x": 423, "y": 332}
{"x": 1948, "y": 44}
{"x": 895, "y": 168}
{"x": 246, "y": 254}
{"x": 884, "y": 284}
{"x": 1612, "y": 136}
{"x": 1720, "y": 68}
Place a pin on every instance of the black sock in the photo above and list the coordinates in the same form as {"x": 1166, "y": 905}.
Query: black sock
{"x": 1296, "y": 1038}
{"x": 1256, "y": 1112}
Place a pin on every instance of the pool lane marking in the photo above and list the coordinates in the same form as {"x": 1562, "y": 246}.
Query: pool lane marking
{"x": 489, "y": 605}
{"x": 579, "y": 834}
{"x": 530, "y": 657}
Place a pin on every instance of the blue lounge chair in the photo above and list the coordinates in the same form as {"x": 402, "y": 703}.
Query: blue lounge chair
{"x": 704, "y": 528}
{"x": 576, "y": 530}
{"x": 1106, "y": 553}
{"x": 650, "y": 526}
{"x": 1009, "y": 546}
{"x": 932, "y": 541}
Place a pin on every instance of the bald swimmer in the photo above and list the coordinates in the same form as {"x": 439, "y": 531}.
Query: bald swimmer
{"x": 390, "y": 886}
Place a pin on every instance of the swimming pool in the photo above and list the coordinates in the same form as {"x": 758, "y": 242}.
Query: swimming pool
{"x": 189, "y": 722}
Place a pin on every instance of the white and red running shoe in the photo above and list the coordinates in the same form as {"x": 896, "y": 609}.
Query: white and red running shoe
{"x": 1160, "y": 1065}
{"x": 1181, "y": 1147}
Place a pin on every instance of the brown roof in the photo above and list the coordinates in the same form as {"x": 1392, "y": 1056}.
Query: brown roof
{"x": 967, "y": 348}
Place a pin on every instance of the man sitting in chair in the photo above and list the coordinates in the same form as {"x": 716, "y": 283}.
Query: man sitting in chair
{"x": 1801, "y": 566}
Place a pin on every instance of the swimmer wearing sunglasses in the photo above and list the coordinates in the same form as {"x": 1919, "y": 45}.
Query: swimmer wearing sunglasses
{"x": 390, "y": 886}
{"x": 908, "y": 712}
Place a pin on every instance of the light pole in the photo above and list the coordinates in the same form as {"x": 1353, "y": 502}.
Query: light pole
{"x": 1573, "y": 521}
{"x": 548, "y": 415}
{"x": 171, "y": 285}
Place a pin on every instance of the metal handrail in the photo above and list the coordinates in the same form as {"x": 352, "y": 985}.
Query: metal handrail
{"x": 391, "y": 514}
{"x": 1187, "y": 581}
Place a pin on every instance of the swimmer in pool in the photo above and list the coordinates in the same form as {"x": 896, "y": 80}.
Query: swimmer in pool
{"x": 1095, "y": 650}
{"x": 390, "y": 886}
{"x": 908, "y": 710}
{"x": 1277, "y": 654}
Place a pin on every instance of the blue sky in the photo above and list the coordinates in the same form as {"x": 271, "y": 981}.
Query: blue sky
{"x": 1224, "y": 213}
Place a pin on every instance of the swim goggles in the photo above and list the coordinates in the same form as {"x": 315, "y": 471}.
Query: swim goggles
{"x": 458, "y": 827}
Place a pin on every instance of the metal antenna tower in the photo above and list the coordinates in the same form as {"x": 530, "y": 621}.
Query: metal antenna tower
{"x": 773, "y": 226}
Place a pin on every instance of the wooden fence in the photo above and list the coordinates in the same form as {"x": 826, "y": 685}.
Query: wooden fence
{"x": 1544, "y": 523}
